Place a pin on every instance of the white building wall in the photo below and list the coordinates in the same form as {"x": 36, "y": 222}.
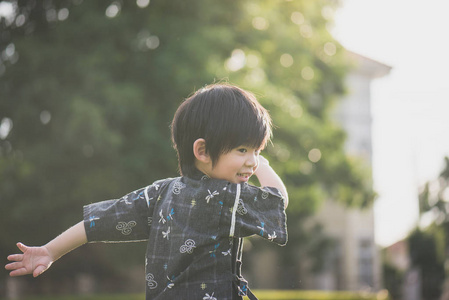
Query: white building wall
{"x": 360, "y": 262}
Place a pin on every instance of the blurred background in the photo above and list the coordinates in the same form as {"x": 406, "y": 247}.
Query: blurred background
{"x": 357, "y": 91}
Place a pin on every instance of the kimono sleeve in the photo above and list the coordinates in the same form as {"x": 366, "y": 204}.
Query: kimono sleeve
{"x": 261, "y": 211}
{"x": 126, "y": 219}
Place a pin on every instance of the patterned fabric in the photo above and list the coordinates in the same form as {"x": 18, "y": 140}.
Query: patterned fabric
{"x": 192, "y": 226}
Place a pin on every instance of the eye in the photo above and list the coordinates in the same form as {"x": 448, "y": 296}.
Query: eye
{"x": 242, "y": 150}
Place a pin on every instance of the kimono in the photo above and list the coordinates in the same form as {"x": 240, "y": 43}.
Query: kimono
{"x": 194, "y": 228}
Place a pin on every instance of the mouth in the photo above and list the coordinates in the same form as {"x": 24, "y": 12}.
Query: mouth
{"x": 244, "y": 176}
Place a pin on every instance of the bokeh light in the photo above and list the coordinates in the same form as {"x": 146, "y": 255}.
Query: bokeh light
{"x": 152, "y": 42}
{"x": 5, "y": 128}
{"x": 314, "y": 155}
{"x": 143, "y": 3}
{"x": 305, "y": 167}
{"x": 330, "y": 49}
{"x": 20, "y": 20}
{"x": 51, "y": 15}
{"x": 256, "y": 76}
{"x": 296, "y": 111}
{"x": 297, "y": 18}
{"x": 63, "y": 14}
{"x": 236, "y": 61}
{"x": 307, "y": 73}
{"x": 328, "y": 12}
{"x": 286, "y": 60}
{"x": 306, "y": 30}
{"x": 45, "y": 117}
{"x": 113, "y": 10}
{"x": 252, "y": 60}
{"x": 260, "y": 23}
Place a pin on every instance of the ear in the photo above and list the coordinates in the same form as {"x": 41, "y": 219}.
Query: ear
{"x": 200, "y": 152}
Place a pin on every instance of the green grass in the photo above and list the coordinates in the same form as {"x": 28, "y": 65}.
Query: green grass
{"x": 92, "y": 297}
{"x": 317, "y": 295}
{"x": 261, "y": 294}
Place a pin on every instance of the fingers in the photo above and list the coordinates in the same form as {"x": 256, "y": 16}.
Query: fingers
{"x": 18, "y": 272}
{"x": 22, "y": 247}
{"x": 39, "y": 270}
{"x": 18, "y": 257}
{"x": 14, "y": 266}
{"x": 15, "y": 257}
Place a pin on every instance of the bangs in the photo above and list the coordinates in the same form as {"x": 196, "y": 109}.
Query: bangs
{"x": 243, "y": 130}
{"x": 237, "y": 120}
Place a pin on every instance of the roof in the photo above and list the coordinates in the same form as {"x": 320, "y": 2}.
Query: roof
{"x": 367, "y": 66}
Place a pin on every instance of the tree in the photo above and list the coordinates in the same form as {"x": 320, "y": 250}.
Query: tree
{"x": 424, "y": 255}
{"x": 89, "y": 88}
{"x": 434, "y": 200}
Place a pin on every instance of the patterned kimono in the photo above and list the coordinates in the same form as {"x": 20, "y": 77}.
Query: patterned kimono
{"x": 194, "y": 227}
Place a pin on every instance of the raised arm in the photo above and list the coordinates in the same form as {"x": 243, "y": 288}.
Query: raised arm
{"x": 36, "y": 260}
{"x": 268, "y": 177}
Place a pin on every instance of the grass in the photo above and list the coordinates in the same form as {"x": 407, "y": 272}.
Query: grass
{"x": 261, "y": 294}
{"x": 318, "y": 295}
{"x": 91, "y": 297}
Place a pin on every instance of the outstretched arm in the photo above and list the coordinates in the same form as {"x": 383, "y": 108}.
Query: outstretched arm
{"x": 36, "y": 260}
{"x": 268, "y": 177}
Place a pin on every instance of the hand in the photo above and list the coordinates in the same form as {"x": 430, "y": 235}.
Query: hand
{"x": 268, "y": 177}
{"x": 263, "y": 160}
{"x": 34, "y": 260}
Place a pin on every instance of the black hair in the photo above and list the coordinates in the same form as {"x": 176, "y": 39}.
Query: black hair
{"x": 225, "y": 116}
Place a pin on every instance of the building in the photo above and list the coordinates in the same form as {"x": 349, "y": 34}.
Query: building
{"x": 355, "y": 262}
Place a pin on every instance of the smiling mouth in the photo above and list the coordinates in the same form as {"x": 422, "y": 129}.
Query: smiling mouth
{"x": 244, "y": 175}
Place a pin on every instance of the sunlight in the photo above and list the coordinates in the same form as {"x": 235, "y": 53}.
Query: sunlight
{"x": 5, "y": 128}
{"x": 330, "y": 49}
{"x": 314, "y": 155}
{"x": 307, "y": 73}
{"x": 306, "y": 30}
{"x": 297, "y": 18}
{"x": 236, "y": 61}
{"x": 113, "y": 10}
{"x": 260, "y": 23}
{"x": 20, "y": 20}
{"x": 63, "y": 14}
{"x": 252, "y": 60}
{"x": 286, "y": 60}
{"x": 143, "y": 3}
{"x": 152, "y": 42}
{"x": 7, "y": 12}
{"x": 45, "y": 117}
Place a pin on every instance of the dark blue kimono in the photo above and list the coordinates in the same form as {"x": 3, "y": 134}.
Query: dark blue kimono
{"x": 194, "y": 227}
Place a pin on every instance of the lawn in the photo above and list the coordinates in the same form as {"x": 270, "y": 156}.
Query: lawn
{"x": 261, "y": 294}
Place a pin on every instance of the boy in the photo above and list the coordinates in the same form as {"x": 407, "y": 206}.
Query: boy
{"x": 194, "y": 224}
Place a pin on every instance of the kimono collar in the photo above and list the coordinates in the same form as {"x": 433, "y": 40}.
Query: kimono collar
{"x": 198, "y": 175}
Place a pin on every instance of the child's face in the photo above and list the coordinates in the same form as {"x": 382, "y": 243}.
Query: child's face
{"x": 236, "y": 166}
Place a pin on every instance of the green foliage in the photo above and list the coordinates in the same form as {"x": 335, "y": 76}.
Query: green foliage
{"x": 428, "y": 248}
{"x": 393, "y": 280}
{"x": 424, "y": 256}
{"x": 90, "y": 99}
{"x": 434, "y": 196}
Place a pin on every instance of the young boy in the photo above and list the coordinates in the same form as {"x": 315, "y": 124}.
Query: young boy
{"x": 194, "y": 224}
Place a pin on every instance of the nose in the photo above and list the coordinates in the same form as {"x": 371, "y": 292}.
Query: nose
{"x": 253, "y": 160}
